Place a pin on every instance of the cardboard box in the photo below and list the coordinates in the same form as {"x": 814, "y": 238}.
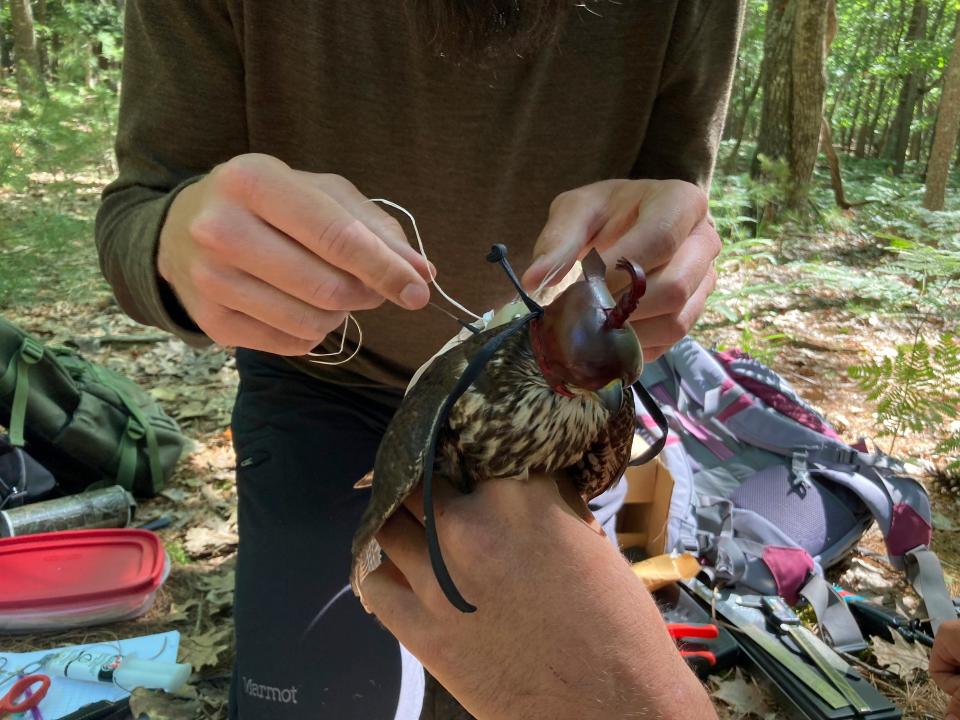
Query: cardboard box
{"x": 643, "y": 520}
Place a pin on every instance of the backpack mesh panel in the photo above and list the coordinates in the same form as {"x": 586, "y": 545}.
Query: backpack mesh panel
{"x": 814, "y": 516}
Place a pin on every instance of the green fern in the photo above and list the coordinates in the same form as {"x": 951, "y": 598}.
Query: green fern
{"x": 918, "y": 389}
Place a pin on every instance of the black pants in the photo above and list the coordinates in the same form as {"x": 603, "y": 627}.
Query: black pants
{"x": 305, "y": 647}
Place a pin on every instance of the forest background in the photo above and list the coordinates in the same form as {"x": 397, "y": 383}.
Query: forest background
{"x": 836, "y": 193}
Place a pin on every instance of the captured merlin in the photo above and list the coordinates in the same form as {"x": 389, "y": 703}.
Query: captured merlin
{"x": 553, "y": 395}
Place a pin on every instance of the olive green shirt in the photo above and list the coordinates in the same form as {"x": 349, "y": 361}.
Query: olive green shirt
{"x": 636, "y": 88}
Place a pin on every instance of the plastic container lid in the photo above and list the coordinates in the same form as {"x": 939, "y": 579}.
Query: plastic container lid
{"x": 64, "y": 573}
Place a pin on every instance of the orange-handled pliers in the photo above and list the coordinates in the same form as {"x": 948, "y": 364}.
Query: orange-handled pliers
{"x": 681, "y": 632}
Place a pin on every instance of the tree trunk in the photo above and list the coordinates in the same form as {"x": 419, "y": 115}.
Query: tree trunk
{"x": 916, "y": 137}
{"x": 945, "y": 134}
{"x": 899, "y": 138}
{"x": 836, "y": 178}
{"x": 809, "y": 90}
{"x": 860, "y": 148}
{"x": 773, "y": 139}
{"x": 730, "y": 166}
{"x": 40, "y": 15}
{"x": 871, "y": 134}
{"x": 793, "y": 90}
{"x": 26, "y": 56}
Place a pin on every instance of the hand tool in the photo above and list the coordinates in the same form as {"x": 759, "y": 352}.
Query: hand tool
{"x": 24, "y": 686}
{"x": 680, "y": 632}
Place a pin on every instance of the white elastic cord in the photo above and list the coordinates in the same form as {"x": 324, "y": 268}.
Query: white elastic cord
{"x": 346, "y": 323}
{"x": 423, "y": 252}
{"x": 343, "y": 340}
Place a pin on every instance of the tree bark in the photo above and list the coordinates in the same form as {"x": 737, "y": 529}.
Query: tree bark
{"x": 730, "y": 166}
{"x": 809, "y": 90}
{"x": 836, "y": 178}
{"x": 773, "y": 139}
{"x": 860, "y": 147}
{"x": 871, "y": 134}
{"x": 896, "y": 150}
{"x": 793, "y": 90}
{"x": 945, "y": 134}
{"x": 26, "y": 55}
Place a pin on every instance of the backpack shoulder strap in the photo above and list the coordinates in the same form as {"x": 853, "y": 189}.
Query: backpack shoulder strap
{"x": 837, "y": 624}
{"x": 923, "y": 570}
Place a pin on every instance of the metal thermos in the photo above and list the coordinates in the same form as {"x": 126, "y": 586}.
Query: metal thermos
{"x": 111, "y": 507}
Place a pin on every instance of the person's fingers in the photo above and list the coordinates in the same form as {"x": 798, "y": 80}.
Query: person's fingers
{"x": 652, "y": 353}
{"x": 263, "y": 252}
{"x": 944, "y": 665}
{"x": 234, "y": 329}
{"x": 253, "y": 297}
{"x": 316, "y": 220}
{"x": 575, "y": 217}
{"x": 949, "y": 682}
{"x": 953, "y": 709}
{"x": 403, "y": 540}
{"x": 667, "y": 329}
{"x": 664, "y": 221}
{"x": 374, "y": 217}
{"x": 443, "y": 493}
{"x": 387, "y": 594}
{"x": 670, "y": 288}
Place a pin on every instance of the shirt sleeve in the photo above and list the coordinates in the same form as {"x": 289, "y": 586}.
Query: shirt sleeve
{"x": 182, "y": 112}
{"x": 684, "y": 130}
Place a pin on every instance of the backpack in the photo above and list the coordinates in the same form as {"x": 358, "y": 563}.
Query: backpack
{"x": 22, "y": 479}
{"x": 88, "y": 425}
{"x": 768, "y": 495}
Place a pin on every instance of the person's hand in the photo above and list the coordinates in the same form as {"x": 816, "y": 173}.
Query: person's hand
{"x": 563, "y": 628}
{"x": 266, "y": 257}
{"x": 662, "y": 225}
{"x": 945, "y": 665}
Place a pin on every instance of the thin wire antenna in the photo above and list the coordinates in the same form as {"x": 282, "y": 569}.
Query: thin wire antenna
{"x": 342, "y": 345}
{"x": 446, "y": 312}
{"x": 423, "y": 252}
{"x": 548, "y": 278}
{"x": 343, "y": 341}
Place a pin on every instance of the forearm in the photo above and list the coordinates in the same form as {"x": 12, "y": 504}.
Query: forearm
{"x": 178, "y": 119}
{"x": 127, "y": 231}
{"x": 564, "y": 629}
{"x": 646, "y": 676}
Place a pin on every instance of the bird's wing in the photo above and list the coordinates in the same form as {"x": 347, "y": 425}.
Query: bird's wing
{"x": 399, "y": 464}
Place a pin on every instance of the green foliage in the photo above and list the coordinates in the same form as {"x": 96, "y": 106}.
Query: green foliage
{"x": 917, "y": 389}
{"x": 764, "y": 347}
{"x": 53, "y": 163}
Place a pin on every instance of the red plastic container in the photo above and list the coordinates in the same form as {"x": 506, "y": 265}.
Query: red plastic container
{"x": 74, "y": 578}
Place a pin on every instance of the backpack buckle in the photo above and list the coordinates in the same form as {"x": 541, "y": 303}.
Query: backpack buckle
{"x": 31, "y": 351}
{"x": 135, "y": 430}
{"x": 801, "y": 472}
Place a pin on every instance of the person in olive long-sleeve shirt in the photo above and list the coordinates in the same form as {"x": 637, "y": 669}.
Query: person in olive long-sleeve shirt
{"x": 251, "y": 136}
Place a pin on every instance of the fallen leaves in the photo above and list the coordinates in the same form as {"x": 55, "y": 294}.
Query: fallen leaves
{"x": 207, "y": 649}
{"x": 158, "y": 705}
{"x": 743, "y": 698}
{"x": 902, "y": 657}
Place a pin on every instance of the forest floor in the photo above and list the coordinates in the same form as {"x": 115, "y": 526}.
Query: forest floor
{"x": 810, "y": 331}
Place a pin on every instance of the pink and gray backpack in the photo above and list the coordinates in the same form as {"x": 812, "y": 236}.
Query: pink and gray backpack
{"x": 768, "y": 495}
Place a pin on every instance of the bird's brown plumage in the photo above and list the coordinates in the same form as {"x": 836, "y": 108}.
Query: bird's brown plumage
{"x": 509, "y": 422}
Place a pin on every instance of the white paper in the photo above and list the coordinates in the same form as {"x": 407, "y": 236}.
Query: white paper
{"x": 67, "y": 695}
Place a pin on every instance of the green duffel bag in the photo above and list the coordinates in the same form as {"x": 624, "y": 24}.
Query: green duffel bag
{"x": 88, "y": 425}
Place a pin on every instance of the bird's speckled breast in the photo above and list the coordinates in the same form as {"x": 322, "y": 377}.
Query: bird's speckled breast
{"x": 510, "y": 421}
